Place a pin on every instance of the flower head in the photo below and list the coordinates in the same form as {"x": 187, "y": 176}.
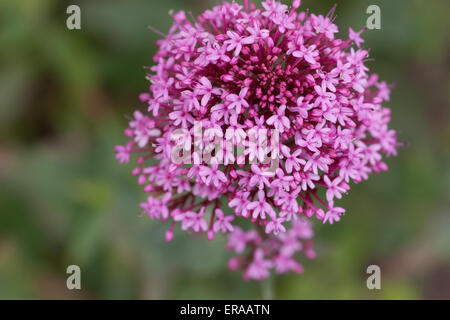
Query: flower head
{"x": 238, "y": 70}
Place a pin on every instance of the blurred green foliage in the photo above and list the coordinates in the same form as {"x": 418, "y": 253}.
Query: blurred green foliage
{"x": 65, "y": 200}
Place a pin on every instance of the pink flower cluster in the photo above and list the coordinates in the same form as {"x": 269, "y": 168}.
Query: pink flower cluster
{"x": 275, "y": 252}
{"x": 242, "y": 67}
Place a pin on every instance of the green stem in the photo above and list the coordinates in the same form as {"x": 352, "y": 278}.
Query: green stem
{"x": 267, "y": 288}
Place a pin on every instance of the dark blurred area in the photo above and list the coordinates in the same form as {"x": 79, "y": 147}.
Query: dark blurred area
{"x": 64, "y": 199}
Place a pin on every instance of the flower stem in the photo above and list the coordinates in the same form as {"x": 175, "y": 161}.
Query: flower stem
{"x": 267, "y": 288}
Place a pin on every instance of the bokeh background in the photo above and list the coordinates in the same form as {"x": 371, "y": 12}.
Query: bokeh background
{"x": 65, "y": 200}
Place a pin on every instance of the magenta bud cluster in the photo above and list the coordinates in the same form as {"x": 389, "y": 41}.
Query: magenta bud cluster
{"x": 241, "y": 67}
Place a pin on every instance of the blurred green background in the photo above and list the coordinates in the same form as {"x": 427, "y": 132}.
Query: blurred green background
{"x": 65, "y": 200}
